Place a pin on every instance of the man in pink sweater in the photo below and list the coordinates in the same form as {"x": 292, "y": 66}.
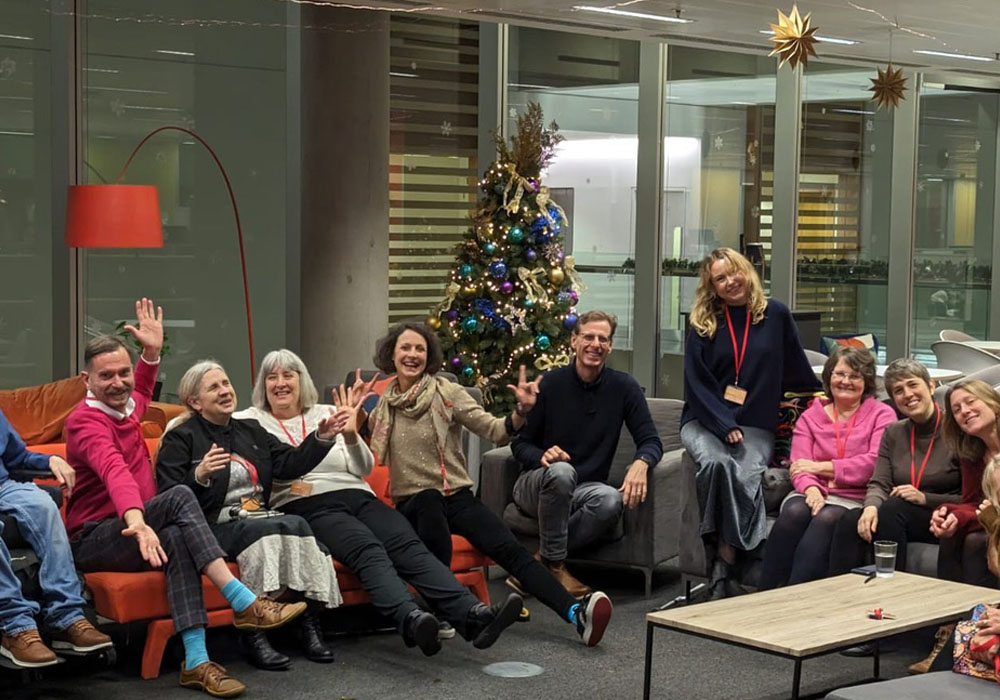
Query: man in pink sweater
{"x": 116, "y": 520}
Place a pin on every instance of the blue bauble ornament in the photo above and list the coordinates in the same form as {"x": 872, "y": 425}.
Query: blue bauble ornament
{"x": 498, "y": 269}
{"x": 515, "y": 235}
{"x": 542, "y": 341}
{"x": 451, "y": 314}
{"x": 471, "y": 324}
{"x": 468, "y": 371}
{"x": 531, "y": 255}
{"x": 466, "y": 270}
{"x": 570, "y": 321}
{"x": 528, "y": 303}
{"x": 490, "y": 248}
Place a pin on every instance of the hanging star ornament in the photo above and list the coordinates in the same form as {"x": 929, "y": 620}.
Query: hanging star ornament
{"x": 793, "y": 38}
{"x": 887, "y": 89}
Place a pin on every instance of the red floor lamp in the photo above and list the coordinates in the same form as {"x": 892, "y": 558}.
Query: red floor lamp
{"x": 128, "y": 216}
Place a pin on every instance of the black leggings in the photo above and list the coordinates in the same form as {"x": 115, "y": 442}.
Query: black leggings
{"x": 435, "y": 517}
{"x": 798, "y": 548}
{"x": 962, "y": 558}
{"x": 899, "y": 521}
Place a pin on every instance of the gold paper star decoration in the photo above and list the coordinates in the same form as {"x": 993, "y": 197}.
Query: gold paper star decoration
{"x": 887, "y": 89}
{"x": 793, "y": 38}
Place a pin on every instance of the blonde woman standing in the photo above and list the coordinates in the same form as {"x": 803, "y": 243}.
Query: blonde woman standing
{"x": 742, "y": 352}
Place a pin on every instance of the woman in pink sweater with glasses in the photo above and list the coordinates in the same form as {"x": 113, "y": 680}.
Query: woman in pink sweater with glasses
{"x": 834, "y": 448}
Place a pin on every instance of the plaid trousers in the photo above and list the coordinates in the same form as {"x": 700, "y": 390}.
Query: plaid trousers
{"x": 180, "y": 524}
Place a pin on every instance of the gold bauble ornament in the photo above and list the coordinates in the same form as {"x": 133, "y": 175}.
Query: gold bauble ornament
{"x": 887, "y": 89}
{"x": 793, "y": 38}
{"x": 434, "y": 322}
{"x": 556, "y": 275}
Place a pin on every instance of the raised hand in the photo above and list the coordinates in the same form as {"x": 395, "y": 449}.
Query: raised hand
{"x": 216, "y": 459}
{"x": 360, "y": 391}
{"x": 525, "y": 392}
{"x": 148, "y": 329}
{"x": 331, "y": 426}
{"x": 347, "y": 408}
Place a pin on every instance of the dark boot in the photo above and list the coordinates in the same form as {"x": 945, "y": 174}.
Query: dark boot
{"x": 261, "y": 654}
{"x": 313, "y": 645}
{"x": 485, "y": 624}
{"x": 719, "y": 583}
{"x": 420, "y": 629}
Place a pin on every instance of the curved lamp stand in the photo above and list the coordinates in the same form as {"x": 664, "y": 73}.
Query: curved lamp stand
{"x": 128, "y": 216}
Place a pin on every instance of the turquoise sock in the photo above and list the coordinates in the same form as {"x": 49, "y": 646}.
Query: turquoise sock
{"x": 571, "y": 614}
{"x": 195, "y": 653}
{"x": 239, "y": 596}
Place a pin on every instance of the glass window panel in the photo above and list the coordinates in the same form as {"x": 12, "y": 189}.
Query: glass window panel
{"x": 26, "y": 235}
{"x": 589, "y": 86}
{"x": 223, "y": 77}
{"x": 952, "y": 257}
{"x": 718, "y": 179}
{"x": 842, "y": 241}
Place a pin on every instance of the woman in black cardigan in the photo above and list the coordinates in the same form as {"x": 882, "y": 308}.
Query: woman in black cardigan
{"x": 230, "y": 464}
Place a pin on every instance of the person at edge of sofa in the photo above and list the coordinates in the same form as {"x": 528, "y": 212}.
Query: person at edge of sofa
{"x": 568, "y": 442}
{"x": 117, "y": 521}
{"x": 834, "y": 448}
{"x": 230, "y": 465}
{"x": 914, "y": 474}
{"x": 41, "y": 526}
{"x": 372, "y": 539}
{"x": 742, "y": 351}
{"x": 416, "y": 429}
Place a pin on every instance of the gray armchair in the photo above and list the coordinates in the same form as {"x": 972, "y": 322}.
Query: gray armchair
{"x": 647, "y": 535}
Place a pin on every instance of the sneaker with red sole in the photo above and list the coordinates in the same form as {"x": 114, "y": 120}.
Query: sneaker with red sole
{"x": 592, "y": 617}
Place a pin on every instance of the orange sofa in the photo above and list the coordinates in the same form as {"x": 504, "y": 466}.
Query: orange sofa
{"x": 131, "y": 597}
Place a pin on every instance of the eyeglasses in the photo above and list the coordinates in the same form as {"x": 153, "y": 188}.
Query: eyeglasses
{"x": 847, "y": 377}
{"x": 589, "y": 338}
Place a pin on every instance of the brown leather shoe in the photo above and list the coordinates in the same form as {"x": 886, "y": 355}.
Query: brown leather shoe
{"x": 940, "y": 639}
{"x": 27, "y": 650}
{"x": 81, "y": 637}
{"x": 267, "y": 614}
{"x": 574, "y": 587}
{"x": 213, "y": 679}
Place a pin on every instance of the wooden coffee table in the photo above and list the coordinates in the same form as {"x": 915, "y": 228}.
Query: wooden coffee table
{"x": 811, "y": 619}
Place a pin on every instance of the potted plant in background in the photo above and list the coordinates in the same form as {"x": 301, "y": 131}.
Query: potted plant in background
{"x": 130, "y": 340}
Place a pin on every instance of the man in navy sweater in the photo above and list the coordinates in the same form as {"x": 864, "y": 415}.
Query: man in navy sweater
{"x": 568, "y": 442}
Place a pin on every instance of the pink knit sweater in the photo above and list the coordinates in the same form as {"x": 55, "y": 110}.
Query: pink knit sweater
{"x": 113, "y": 471}
{"x": 814, "y": 438}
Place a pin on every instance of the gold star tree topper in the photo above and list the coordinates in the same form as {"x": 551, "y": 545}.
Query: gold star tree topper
{"x": 887, "y": 89}
{"x": 793, "y": 38}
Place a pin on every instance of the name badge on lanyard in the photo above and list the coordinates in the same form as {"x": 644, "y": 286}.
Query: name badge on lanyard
{"x": 734, "y": 393}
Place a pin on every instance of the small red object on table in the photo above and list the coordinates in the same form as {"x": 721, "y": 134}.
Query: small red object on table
{"x": 879, "y": 614}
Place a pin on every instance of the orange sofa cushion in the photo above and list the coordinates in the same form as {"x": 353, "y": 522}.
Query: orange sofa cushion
{"x": 38, "y": 412}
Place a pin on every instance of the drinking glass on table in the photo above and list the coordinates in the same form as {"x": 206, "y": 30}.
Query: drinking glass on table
{"x": 885, "y": 558}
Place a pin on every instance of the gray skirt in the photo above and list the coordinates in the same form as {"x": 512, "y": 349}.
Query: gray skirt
{"x": 279, "y": 553}
{"x": 730, "y": 494}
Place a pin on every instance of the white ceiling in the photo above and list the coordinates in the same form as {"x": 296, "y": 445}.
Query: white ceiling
{"x": 950, "y": 26}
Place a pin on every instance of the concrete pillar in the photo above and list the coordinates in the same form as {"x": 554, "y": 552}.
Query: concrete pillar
{"x": 345, "y": 188}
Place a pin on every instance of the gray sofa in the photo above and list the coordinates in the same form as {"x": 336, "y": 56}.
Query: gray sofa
{"x": 648, "y": 535}
{"x": 943, "y": 685}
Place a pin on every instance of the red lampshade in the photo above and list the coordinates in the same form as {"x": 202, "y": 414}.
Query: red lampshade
{"x": 113, "y": 216}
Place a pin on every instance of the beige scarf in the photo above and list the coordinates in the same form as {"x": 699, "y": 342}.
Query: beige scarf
{"x": 427, "y": 394}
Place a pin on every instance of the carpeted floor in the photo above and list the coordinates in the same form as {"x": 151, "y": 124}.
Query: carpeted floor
{"x": 377, "y": 665}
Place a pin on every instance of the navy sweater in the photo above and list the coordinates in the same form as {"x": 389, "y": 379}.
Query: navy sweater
{"x": 586, "y": 420}
{"x": 774, "y": 363}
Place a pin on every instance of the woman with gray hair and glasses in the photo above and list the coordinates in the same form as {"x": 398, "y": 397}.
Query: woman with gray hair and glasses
{"x": 372, "y": 539}
{"x": 834, "y": 447}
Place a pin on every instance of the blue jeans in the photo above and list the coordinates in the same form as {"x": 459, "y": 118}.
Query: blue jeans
{"x": 39, "y": 522}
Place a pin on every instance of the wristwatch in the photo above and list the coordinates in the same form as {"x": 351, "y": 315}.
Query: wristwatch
{"x": 647, "y": 459}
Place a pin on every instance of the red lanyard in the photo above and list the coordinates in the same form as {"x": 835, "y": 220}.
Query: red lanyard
{"x": 914, "y": 476}
{"x": 248, "y": 465}
{"x": 290, "y": 438}
{"x": 738, "y": 354}
{"x": 842, "y": 446}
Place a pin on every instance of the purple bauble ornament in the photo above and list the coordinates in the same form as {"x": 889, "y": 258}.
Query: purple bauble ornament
{"x": 560, "y": 256}
{"x": 531, "y": 255}
{"x": 451, "y": 314}
{"x": 456, "y": 362}
{"x": 506, "y": 288}
{"x": 534, "y": 184}
{"x": 574, "y": 296}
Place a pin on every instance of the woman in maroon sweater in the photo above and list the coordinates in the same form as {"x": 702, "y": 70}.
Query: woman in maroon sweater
{"x": 972, "y": 429}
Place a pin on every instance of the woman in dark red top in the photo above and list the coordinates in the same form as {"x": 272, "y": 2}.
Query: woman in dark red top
{"x": 972, "y": 429}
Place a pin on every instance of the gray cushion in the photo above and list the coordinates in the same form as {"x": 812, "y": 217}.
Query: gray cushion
{"x": 943, "y": 685}
{"x": 777, "y": 483}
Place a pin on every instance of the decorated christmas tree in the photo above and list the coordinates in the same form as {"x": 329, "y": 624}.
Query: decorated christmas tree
{"x": 513, "y": 292}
